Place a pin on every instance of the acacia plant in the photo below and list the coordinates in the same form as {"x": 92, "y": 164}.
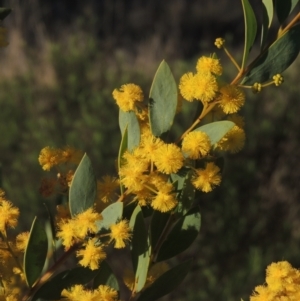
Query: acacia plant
{"x": 150, "y": 205}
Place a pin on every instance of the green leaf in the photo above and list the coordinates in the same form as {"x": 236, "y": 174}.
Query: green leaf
{"x": 216, "y": 130}
{"x": 284, "y": 8}
{"x": 123, "y": 148}
{"x": 52, "y": 289}
{"x": 158, "y": 223}
{"x": 140, "y": 248}
{"x": 106, "y": 277}
{"x": 35, "y": 253}
{"x": 129, "y": 120}
{"x": 4, "y": 12}
{"x": 187, "y": 194}
{"x": 250, "y": 29}
{"x": 181, "y": 236}
{"x": 267, "y": 11}
{"x": 276, "y": 59}
{"x": 111, "y": 215}
{"x": 162, "y": 100}
{"x": 166, "y": 283}
{"x": 83, "y": 188}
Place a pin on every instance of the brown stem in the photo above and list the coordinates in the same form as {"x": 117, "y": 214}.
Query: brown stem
{"x": 206, "y": 109}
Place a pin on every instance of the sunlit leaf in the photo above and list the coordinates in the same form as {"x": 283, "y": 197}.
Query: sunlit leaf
{"x": 181, "y": 236}
{"x": 216, "y": 130}
{"x": 250, "y": 29}
{"x": 276, "y": 59}
{"x": 166, "y": 283}
{"x": 140, "y": 248}
{"x": 83, "y": 188}
{"x": 162, "y": 100}
{"x": 111, "y": 215}
{"x": 129, "y": 120}
{"x": 35, "y": 253}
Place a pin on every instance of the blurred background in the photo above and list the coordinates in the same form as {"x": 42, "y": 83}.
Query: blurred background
{"x": 56, "y": 78}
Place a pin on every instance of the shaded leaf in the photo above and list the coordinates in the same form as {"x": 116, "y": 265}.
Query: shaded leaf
{"x": 187, "y": 195}
{"x": 162, "y": 100}
{"x": 140, "y": 248}
{"x": 181, "y": 236}
{"x": 166, "y": 283}
{"x": 158, "y": 223}
{"x": 267, "y": 12}
{"x": 276, "y": 59}
{"x": 250, "y": 29}
{"x": 35, "y": 253}
{"x": 129, "y": 120}
{"x": 52, "y": 289}
{"x": 83, "y": 188}
{"x": 216, "y": 130}
{"x": 284, "y": 8}
{"x": 106, "y": 277}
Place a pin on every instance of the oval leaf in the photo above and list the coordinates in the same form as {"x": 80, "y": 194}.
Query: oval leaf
{"x": 123, "y": 148}
{"x": 158, "y": 223}
{"x": 106, "y": 277}
{"x": 140, "y": 248}
{"x": 35, "y": 253}
{"x": 276, "y": 59}
{"x": 52, "y": 289}
{"x": 83, "y": 188}
{"x": 250, "y": 29}
{"x": 181, "y": 236}
{"x": 162, "y": 100}
{"x": 187, "y": 194}
{"x": 267, "y": 12}
{"x": 166, "y": 283}
{"x": 216, "y": 130}
{"x": 129, "y": 120}
{"x": 111, "y": 215}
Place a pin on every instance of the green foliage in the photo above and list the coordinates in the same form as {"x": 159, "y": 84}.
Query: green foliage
{"x": 129, "y": 120}
{"x": 140, "y": 248}
{"x": 216, "y": 130}
{"x": 167, "y": 282}
{"x": 250, "y": 29}
{"x": 162, "y": 100}
{"x": 284, "y": 8}
{"x": 181, "y": 236}
{"x": 168, "y": 234}
{"x": 36, "y": 252}
{"x": 106, "y": 276}
{"x": 52, "y": 289}
{"x": 275, "y": 59}
{"x": 110, "y": 215}
{"x": 83, "y": 187}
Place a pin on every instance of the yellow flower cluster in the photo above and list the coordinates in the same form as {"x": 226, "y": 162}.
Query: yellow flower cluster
{"x": 8, "y": 214}
{"x": 127, "y": 96}
{"x": 79, "y": 293}
{"x": 203, "y": 86}
{"x": 55, "y": 157}
{"x": 282, "y": 283}
{"x": 50, "y": 157}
